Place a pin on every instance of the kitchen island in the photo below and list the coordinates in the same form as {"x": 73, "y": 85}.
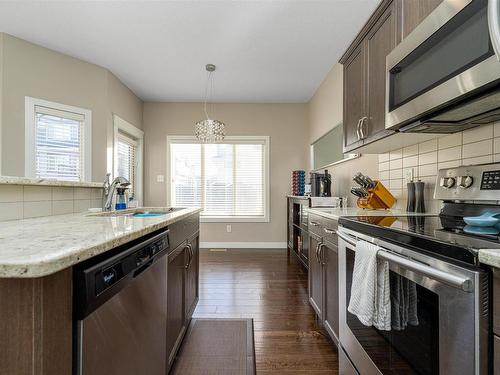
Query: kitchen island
{"x": 37, "y": 260}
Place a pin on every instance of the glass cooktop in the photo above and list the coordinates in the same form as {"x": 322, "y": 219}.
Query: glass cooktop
{"x": 443, "y": 236}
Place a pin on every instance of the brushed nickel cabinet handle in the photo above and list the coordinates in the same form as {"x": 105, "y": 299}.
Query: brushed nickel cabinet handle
{"x": 357, "y": 130}
{"x": 188, "y": 248}
{"x": 329, "y": 231}
{"x": 314, "y": 223}
{"x": 362, "y": 121}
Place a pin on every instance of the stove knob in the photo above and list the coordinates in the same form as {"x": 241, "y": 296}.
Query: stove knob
{"x": 465, "y": 181}
{"x": 447, "y": 182}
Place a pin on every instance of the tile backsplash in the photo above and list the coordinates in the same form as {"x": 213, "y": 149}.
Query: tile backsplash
{"x": 27, "y": 201}
{"x": 475, "y": 146}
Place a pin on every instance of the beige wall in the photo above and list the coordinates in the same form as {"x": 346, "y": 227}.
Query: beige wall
{"x": 32, "y": 70}
{"x": 325, "y": 111}
{"x": 325, "y": 107}
{"x": 1, "y": 97}
{"x": 286, "y": 124}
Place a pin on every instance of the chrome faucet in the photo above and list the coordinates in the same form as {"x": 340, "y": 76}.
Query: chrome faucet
{"x": 109, "y": 190}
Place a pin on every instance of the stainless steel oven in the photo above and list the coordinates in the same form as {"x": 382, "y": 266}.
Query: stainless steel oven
{"x": 449, "y": 332}
{"x": 445, "y": 75}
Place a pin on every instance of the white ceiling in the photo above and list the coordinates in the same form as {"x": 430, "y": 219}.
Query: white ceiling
{"x": 265, "y": 51}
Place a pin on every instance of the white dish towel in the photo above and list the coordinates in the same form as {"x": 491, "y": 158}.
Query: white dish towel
{"x": 370, "y": 292}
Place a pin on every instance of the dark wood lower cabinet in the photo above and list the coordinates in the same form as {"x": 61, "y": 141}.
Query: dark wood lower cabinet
{"x": 324, "y": 273}
{"x": 496, "y": 355}
{"x": 192, "y": 276}
{"x": 36, "y": 325}
{"x": 182, "y": 292}
{"x": 331, "y": 289}
{"x": 176, "y": 313}
{"x": 315, "y": 275}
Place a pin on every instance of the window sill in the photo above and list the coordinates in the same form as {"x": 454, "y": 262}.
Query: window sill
{"x": 233, "y": 219}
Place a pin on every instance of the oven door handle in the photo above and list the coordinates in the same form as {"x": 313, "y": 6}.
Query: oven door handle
{"x": 455, "y": 281}
{"x": 494, "y": 25}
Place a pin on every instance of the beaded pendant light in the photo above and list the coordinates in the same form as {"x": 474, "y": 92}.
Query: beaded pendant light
{"x": 209, "y": 130}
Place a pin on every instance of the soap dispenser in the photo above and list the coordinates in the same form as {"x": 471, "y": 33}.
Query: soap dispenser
{"x": 121, "y": 202}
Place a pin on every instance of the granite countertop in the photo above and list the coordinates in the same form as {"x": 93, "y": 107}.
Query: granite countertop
{"x": 490, "y": 257}
{"x": 14, "y": 180}
{"x": 43, "y": 246}
{"x": 336, "y": 213}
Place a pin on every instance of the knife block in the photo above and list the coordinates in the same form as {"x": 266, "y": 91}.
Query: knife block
{"x": 378, "y": 198}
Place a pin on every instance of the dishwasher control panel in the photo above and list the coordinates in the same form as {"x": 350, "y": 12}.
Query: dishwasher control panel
{"x": 105, "y": 276}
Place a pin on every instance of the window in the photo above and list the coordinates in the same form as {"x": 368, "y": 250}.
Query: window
{"x": 128, "y": 146}
{"x": 58, "y": 141}
{"x": 228, "y": 180}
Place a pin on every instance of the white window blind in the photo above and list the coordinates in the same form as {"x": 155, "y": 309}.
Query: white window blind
{"x": 59, "y": 144}
{"x": 226, "y": 179}
{"x": 127, "y": 159}
{"x": 186, "y": 175}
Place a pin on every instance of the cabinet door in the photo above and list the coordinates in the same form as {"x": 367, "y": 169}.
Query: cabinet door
{"x": 176, "y": 317}
{"x": 381, "y": 40}
{"x": 414, "y": 11}
{"x": 304, "y": 253}
{"x": 329, "y": 256}
{"x": 315, "y": 277}
{"x": 354, "y": 97}
{"x": 496, "y": 355}
{"x": 192, "y": 277}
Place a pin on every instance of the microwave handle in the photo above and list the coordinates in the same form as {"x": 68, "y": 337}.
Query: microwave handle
{"x": 494, "y": 25}
{"x": 456, "y": 281}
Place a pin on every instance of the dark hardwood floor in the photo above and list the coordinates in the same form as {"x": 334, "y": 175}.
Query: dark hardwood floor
{"x": 270, "y": 287}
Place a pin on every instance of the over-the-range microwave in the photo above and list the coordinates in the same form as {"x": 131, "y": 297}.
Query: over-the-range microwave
{"x": 444, "y": 76}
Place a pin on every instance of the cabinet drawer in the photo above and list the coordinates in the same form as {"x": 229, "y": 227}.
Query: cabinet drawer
{"x": 314, "y": 225}
{"x": 183, "y": 229}
{"x": 329, "y": 228}
{"x": 323, "y": 227}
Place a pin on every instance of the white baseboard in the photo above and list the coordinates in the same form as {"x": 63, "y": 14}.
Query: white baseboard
{"x": 243, "y": 245}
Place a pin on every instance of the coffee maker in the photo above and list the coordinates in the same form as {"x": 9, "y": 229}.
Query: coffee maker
{"x": 321, "y": 184}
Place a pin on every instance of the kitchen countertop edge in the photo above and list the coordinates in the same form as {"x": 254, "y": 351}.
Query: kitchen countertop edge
{"x": 45, "y": 264}
{"x": 490, "y": 257}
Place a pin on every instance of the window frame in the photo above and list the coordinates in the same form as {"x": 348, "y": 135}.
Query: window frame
{"x": 264, "y": 140}
{"x": 30, "y": 105}
{"x": 122, "y": 126}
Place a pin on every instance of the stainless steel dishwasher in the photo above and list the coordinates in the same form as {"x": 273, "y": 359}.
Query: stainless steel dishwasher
{"x": 121, "y": 310}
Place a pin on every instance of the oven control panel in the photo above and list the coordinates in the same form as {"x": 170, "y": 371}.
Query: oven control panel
{"x": 490, "y": 180}
{"x": 466, "y": 183}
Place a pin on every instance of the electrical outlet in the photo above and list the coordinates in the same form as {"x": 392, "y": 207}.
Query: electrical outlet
{"x": 228, "y": 228}
{"x": 409, "y": 175}
{"x": 160, "y": 178}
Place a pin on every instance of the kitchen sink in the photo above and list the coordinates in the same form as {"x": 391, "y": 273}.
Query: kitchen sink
{"x": 141, "y": 212}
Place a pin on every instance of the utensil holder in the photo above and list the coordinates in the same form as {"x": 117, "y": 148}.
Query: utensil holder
{"x": 378, "y": 198}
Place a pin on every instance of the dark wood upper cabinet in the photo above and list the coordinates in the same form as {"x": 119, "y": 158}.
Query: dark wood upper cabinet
{"x": 381, "y": 39}
{"x": 354, "y": 97}
{"x": 414, "y": 11}
{"x": 365, "y": 77}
